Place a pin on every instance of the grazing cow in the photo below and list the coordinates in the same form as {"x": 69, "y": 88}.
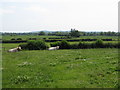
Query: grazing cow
{"x": 54, "y": 48}
{"x": 15, "y": 49}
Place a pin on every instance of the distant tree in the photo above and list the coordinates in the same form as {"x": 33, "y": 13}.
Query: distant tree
{"x": 41, "y": 33}
{"x": 74, "y": 33}
{"x": 101, "y": 33}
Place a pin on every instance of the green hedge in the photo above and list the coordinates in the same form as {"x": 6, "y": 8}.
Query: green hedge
{"x": 82, "y": 45}
{"x": 19, "y": 40}
{"x": 34, "y": 45}
{"x": 13, "y": 41}
{"x": 74, "y": 40}
{"x": 62, "y": 44}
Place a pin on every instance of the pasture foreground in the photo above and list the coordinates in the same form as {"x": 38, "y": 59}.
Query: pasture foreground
{"x": 80, "y": 68}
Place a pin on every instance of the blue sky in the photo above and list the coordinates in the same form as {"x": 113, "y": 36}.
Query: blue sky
{"x": 57, "y": 15}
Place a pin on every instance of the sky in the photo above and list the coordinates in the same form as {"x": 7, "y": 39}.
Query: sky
{"x": 58, "y": 15}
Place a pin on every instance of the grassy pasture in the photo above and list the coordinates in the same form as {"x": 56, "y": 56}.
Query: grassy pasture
{"x": 80, "y": 68}
{"x": 24, "y": 37}
{"x": 94, "y": 42}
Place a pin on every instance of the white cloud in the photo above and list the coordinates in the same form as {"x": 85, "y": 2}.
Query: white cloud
{"x": 57, "y": 1}
{"x": 6, "y": 11}
{"x": 12, "y": 6}
{"x": 37, "y": 9}
{"x": 60, "y": 14}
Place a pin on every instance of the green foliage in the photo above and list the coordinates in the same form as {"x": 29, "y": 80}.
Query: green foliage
{"x": 74, "y": 33}
{"x": 19, "y": 38}
{"x": 34, "y": 45}
{"x": 55, "y": 44}
{"x": 74, "y": 46}
{"x": 64, "y": 45}
{"x": 99, "y": 43}
{"x": 13, "y": 39}
{"x": 23, "y": 46}
{"x": 41, "y": 33}
{"x": 32, "y": 38}
{"x": 83, "y": 45}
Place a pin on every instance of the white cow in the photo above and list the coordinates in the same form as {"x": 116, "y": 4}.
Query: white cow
{"x": 15, "y": 49}
{"x": 54, "y": 48}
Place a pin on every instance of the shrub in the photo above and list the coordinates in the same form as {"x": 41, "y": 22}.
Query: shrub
{"x": 19, "y": 38}
{"x": 99, "y": 43}
{"x": 23, "y": 46}
{"x": 44, "y": 38}
{"x": 34, "y": 45}
{"x": 64, "y": 45}
{"x": 74, "y": 46}
{"x": 118, "y": 45}
{"x": 13, "y": 39}
{"x": 108, "y": 45}
{"x": 55, "y": 44}
{"x": 32, "y": 38}
{"x": 82, "y": 45}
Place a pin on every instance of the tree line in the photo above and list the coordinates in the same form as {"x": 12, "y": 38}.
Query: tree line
{"x": 71, "y": 33}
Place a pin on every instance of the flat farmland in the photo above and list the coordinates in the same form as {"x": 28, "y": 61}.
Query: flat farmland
{"x": 73, "y": 68}
{"x": 26, "y": 37}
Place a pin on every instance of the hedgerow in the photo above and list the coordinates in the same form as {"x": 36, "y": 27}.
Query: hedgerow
{"x": 41, "y": 45}
{"x": 34, "y": 45}
{"x": 82, "y": 45}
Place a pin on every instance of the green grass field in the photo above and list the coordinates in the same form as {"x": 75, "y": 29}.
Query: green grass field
{"x": 24, "y": 37}
{"x": 78, "y": 68}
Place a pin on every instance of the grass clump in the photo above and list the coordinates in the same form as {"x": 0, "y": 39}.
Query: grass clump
{"x": 21, "y": 79}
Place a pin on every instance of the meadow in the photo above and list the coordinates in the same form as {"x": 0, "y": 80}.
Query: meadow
{"x": 26, "y": 37}
{"x": 73, "y": 68}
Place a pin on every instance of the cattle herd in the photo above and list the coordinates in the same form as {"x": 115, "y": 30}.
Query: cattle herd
{"x": 19, "y": 49}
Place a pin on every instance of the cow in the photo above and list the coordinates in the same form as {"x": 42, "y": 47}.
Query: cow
{"x": 15, "y": 49}
{"x": 54, "y": 48}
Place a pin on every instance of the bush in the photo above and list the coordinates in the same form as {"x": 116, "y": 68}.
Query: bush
{"x": 82, "y": 45}
{"x": 99, "y": 43}
{"x": 118, "y": 45}
{"x": 13, "y": 39}
{"x": 32, "y": 38}
{"x": 64, "y": 45}
{"x": 55, "y": 44}
{"x": 19, "y": 38}
{"x": 34, "y": 45}
{"x": 74, "y": 46}
{"x": 108, "y": 45}
{"x": 44, "y": 38}
{"x": 23, "y": 46}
